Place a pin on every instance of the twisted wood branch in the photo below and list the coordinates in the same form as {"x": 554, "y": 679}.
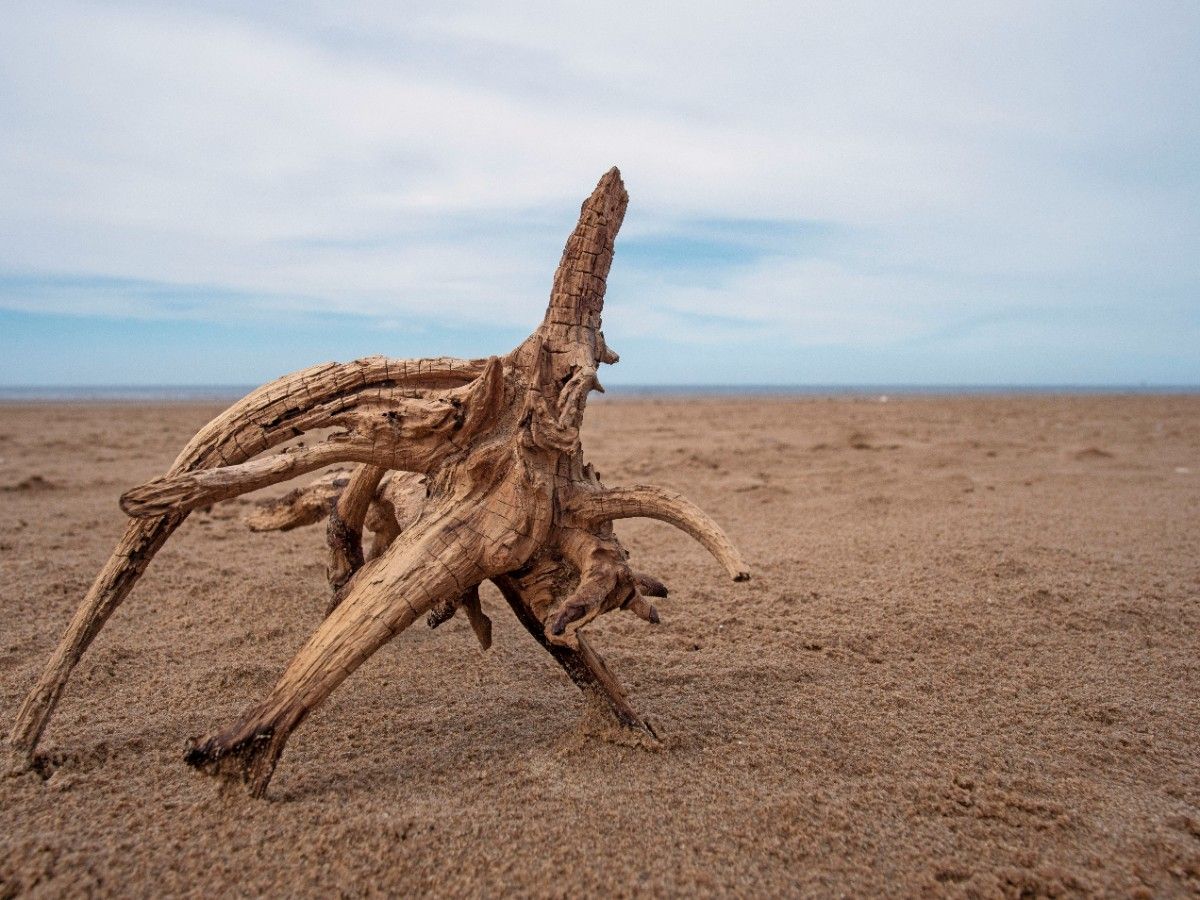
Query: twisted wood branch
{"x": 468, "y": 471}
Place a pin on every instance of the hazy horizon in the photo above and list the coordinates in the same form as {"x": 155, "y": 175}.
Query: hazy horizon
{"x": 204, "y": 393}
{"x": 833, "y": 194}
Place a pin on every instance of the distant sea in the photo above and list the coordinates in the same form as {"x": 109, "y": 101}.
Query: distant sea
{"x": 189, "y": 393}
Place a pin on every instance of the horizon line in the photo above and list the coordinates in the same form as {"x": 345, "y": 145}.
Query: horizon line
{"x": 202, "y": 392}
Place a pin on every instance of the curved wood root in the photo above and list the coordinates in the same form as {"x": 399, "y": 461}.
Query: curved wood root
{"x": 583, "y": 665}
{"x": 346, "y": 518}
{"x": 265, "y": 418}
{"x": 418, "y": 571}
{"x": 398, "y": 503}
{"x": 142, "y": 539}
{"x": 302, "y": 506}
{"x": 647, "y": 501}
{"x": 497, "y": 489}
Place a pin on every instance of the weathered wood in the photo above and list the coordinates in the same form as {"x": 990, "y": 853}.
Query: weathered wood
{"x": 468, "y": 471}
{"x": 591, "y": 508}
{"x": 581, "y": 662}
{"x": 344, "y": 532}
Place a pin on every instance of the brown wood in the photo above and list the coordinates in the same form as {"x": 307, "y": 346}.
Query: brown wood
{"x": 346, "y": 518}
{"x": 469, "y": 470}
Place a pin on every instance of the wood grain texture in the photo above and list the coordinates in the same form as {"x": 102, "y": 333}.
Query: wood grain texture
{"x": 498, "y": 490}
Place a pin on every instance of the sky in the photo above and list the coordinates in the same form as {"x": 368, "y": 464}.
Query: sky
{"x": 821, "y": 192}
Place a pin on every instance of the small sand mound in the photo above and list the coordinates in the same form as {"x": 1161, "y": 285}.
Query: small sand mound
{"x": 1093, "y": 453}
{"x": 32, "y": 483}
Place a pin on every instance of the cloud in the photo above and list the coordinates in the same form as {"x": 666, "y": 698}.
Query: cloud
{"x": 802, "y": 174}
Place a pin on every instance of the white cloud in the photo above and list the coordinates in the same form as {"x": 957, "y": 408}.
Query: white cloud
{"x": 974, "y": 156}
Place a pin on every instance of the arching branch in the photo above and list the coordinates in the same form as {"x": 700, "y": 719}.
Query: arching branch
{"x": 190, "y": 490}
{"x": 310, "y": 398}
{"x": 410, "y": 433}
{"x": 590, "y": 508}
{"x": 265, "y": 418}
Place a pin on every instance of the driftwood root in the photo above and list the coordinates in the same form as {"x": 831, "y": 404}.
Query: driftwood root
{"x": 465, "y": 471}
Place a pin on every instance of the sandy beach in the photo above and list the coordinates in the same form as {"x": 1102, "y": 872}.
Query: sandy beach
{"x": 968, "y": 664}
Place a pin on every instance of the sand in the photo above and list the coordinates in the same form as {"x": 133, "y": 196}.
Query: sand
{"x": 968, "y": 664}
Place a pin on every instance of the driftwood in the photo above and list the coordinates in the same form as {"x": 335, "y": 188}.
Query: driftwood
{"x": 469, "y": 470}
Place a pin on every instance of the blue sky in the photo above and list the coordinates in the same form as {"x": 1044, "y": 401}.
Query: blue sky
{"x": 829, "y": 192}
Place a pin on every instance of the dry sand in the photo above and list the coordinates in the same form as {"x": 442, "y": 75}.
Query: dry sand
{"x": 969, "y": 663}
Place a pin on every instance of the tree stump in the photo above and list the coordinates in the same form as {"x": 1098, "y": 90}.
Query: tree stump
{"x": 498, "y": 491}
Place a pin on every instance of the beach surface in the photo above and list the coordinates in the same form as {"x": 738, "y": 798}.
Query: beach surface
{"x": 968, "y": 664}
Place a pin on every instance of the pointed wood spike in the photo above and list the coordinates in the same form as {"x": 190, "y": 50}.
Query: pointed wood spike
{"x": 504, "y": 494}
{"x": 577, "y": 297}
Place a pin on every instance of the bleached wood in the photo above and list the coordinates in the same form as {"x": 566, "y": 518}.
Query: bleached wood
{"x": 498, "y": 491}
{"x": 650, "y": 502}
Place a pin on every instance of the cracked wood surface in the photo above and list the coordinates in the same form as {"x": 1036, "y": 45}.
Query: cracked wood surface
{"x": 469, "y": 470}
